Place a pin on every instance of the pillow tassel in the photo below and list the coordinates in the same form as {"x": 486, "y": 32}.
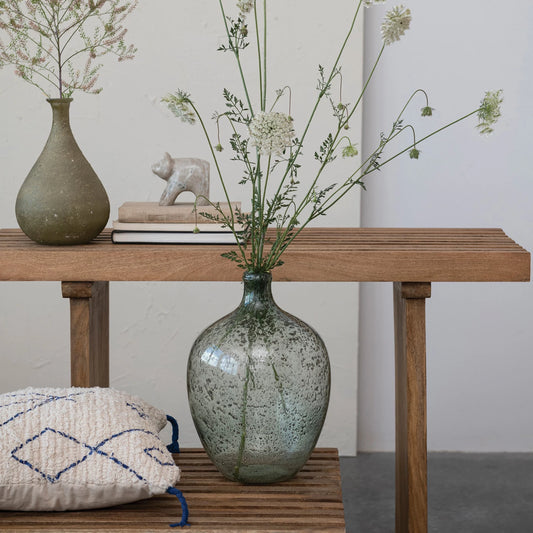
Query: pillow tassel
{"x": 174, "y": 447}
{"x": 184, "y": 507}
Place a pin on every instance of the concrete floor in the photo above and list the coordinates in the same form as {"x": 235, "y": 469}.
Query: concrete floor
{"x": 468, "y": 493}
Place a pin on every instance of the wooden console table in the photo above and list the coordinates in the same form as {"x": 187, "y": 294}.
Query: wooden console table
{"x": 410, "y": 258}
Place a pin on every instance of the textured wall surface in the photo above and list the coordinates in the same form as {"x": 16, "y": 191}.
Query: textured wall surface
{"x": 122, "y": 132}
{"x": 479, "y": 336}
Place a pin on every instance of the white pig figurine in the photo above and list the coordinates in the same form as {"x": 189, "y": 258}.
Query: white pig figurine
{"x": 183, "y": 174}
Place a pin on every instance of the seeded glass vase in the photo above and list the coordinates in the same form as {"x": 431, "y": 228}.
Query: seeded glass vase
{"x": 258, "y": 383}
{"x": 62, "y": 201}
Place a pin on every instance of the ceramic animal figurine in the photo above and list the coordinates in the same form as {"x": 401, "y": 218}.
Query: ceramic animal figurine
{"x": 183, "y": 174}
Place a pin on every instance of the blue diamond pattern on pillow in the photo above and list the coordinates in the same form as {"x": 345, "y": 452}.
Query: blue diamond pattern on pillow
{"x": 74, "y": 453}
{"x": 63, "y": 449}
{"x": 27, "y": 402}
{"x": 138, "y": 409}
{"x": 157, "y": 455}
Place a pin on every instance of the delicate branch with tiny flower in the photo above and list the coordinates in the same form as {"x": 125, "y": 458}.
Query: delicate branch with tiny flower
{"x": 43, "y": 38}
{"x": 265, "y": 141}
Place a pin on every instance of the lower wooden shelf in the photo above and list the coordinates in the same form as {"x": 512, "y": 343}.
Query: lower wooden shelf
{"x": 310, "y": 502}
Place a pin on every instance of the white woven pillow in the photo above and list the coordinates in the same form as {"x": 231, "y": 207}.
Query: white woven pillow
{"x": 77, "y": 448}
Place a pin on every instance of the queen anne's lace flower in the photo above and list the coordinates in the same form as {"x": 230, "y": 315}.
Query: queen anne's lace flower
{"x": 489, "y": 111}
{"x": 368, "y": 3}
{"x": 350, "y": 151}
{"x": 245, "y": 6}
{"x": 396, "y": 22}
{"x": 271, "y": 132}
{"x": 179, "y": 104}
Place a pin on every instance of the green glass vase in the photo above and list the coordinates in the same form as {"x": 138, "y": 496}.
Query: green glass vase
{"x": 258, "y": 383}
{"x": 62, "y": 201}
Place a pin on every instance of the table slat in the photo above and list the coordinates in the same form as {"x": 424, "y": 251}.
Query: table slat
{"x": 318, "y": 254}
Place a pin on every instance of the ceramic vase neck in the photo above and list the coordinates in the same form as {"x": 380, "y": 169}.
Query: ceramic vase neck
{"x": 60, "y": 112}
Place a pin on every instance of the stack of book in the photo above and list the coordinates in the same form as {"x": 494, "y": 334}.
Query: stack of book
{"x": 149, "y": 222}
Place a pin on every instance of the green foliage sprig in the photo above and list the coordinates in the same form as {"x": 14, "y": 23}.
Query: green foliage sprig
{"x": 45, "y": 39}
{"x": 271, "y": 170}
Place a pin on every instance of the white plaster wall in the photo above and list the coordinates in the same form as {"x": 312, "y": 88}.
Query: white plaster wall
{"x": 122, "y": 132}
{"x": 480, "y": 339}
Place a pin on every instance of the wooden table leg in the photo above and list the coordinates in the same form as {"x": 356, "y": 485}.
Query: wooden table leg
{"x": 89, "y": 332}
{"x": 411, "y": 421}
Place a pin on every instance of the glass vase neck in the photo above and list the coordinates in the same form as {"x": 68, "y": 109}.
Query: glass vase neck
{"x": 257, "y": 288}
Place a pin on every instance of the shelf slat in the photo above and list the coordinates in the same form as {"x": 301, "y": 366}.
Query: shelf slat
{"x": 310, "y": 502}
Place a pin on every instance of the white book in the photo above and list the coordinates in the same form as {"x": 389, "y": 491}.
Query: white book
{"x": 172, "y": 226}
{"x": 172, "y": 237}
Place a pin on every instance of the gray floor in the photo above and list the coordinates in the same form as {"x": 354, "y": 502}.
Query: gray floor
{"x": 468, "y": 493}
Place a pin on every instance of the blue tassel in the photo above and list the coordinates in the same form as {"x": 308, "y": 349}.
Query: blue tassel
{"x": 174, "y": 447}
{"x": 184, "y": 507}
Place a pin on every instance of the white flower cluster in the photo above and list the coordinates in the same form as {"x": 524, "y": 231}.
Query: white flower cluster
{"x": 368, "y": 3}
{"x": 179, "y": 104}
{"x": 396, "y": 22}
{"x": 271, "y": 132}
{"x": 245, "y": 6}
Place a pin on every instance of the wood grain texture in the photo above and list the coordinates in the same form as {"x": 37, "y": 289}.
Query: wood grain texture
{"x": 412, "y": 258}
{"x": 311, "y": 502}
{"x": 89, "y": 332}
{"x": 318, "y": 254}
{"x": 411, "y": 418}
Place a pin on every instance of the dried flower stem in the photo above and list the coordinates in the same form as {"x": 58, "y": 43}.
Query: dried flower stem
{"x": 41, "y": 38}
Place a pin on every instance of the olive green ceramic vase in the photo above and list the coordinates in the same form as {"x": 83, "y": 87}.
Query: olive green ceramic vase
{"x": 62, "y": 201}
{"x": 258, "y": 383}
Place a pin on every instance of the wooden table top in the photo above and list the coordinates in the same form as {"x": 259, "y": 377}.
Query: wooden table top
{"x": 318, "y": 254}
